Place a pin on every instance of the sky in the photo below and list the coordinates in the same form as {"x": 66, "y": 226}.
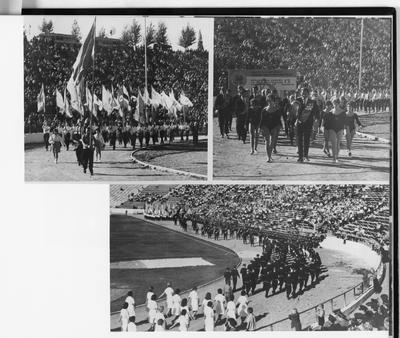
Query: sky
{"x": 62, "y": 24}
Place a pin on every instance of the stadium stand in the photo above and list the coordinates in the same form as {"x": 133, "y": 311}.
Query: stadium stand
{"x": 324, "y": 51}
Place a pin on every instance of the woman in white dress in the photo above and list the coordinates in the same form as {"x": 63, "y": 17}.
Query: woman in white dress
{"x": 185, "y": 306}
{"x": 124, "y": 317}
{"x": 176, "y": 304}
{"x": 242, "y": 304}
{"x": 231, "y": 308}
{"x": 55, "y": 142}
{"x": 131, "y": 304}
{"x": 206, "y": 299}
{"x": 148, "y": 295}
{"x": 194, "y": 302}
{"x": 131, "y": 324}
{"x": 182, "y": 321}
{"x": 168, "y": 292}
{"x": 152, "y": 306}
{"x": 209, "y": 317}
{"x": 219, "y": 305}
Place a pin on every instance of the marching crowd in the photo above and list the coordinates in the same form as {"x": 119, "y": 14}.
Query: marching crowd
{"x": 328, "y": 95}
{"x": 57, "y": 134}
{"x": 49, "y": 61}
{"x": 276, "y": 218}
{"x": 301, "y": 115}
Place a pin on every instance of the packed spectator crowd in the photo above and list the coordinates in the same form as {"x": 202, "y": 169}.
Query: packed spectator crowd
{"x": 324, "y": 51}
{"x": 49, "y": 62}
{"x": 288, "y": 222}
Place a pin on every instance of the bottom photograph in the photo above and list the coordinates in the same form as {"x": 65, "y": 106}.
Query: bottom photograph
{"x": 250, "y": 257}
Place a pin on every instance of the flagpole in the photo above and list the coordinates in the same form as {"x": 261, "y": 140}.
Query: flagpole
{"x": 145, "y": 53}
{"x": 361, "y": 47}
{"x": 91, "y": 113}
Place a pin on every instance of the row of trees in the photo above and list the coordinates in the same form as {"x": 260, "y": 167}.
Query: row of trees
{"x": 132, "y": 34}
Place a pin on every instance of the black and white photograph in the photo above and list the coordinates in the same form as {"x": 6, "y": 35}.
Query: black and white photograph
{"x": 303, "y": 98}
{"x": 250, "y": 257}
{"x": 116, "y": 98}
{"x": 191, "y": 168}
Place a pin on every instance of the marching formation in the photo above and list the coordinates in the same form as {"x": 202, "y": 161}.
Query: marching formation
{"x": 302, "y": 115}
{"x": 288, "y": 222}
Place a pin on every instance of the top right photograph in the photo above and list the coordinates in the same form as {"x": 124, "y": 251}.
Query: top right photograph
{"x": 303, "y": 98}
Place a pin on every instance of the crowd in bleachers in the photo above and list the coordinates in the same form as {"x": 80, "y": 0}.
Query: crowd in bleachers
{"x": 49, "y": 62}
{"x": 288, "y": 222}
{"x": 324, "y": 51}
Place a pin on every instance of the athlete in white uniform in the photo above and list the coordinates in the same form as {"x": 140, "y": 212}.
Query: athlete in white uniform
{"x": 168, "y": 292}
{"x": 194, "y": 301}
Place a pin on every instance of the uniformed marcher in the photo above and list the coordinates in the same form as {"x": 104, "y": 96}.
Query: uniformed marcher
{"x": 307, "y": 112}
{"x": 235, "y": 276}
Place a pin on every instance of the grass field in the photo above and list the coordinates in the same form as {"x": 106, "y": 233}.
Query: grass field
{"x": 182, "y": 156}
{"x": 134, "y": 239}
{"x": 376, "y": 124}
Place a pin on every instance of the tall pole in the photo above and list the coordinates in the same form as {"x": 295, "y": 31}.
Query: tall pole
{"x": 361, "y": 47}
{"x": 145, "y": 53}
{"x": 91, "y": 113}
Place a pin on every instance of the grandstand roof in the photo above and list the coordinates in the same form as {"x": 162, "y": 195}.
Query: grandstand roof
{"x": 61, "y": 38}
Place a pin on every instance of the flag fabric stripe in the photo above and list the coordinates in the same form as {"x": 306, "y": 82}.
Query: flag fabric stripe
{"x": 41, "y": 100}
{"x": 84, "y": 57}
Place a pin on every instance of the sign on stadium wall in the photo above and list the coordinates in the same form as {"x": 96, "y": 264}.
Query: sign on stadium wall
{"x": 276, "y": 79}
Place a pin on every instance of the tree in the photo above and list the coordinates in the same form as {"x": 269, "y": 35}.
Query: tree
{"x": 200, "y": 46}
{"x": 132, "y": 35}
{"x": 161, "y": 35}
{"x": 102, "y": 33}
{"x": 188, "y": 37}
{"x": 76, "y": 31}
{"x": 46, "y": 26}
{"x": 150, "y": 34}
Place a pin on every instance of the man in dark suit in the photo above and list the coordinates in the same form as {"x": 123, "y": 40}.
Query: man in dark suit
{"x": 307, "y": 112}
{"x": 87, "y": 151}
{"x": 235, "y": 276}
{"x": 257, "y": 103}
{"x": 221, "y": 107}
{"x": 240, "y": 109}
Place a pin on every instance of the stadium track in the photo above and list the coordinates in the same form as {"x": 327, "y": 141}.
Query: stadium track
{"x": 116, "y": 165}
{"x": 370, "y": 160}
{"x": 128, "y": 242}
{"x": 342, "y": 266}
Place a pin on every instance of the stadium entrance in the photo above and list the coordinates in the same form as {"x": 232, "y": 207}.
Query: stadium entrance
{"x": 281, "y": 79}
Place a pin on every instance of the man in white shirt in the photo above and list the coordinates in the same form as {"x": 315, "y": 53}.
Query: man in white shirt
{"x": 168, "y": 292}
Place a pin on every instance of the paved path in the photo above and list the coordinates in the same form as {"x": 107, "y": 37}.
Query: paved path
{"x": 115, "y": 166}
{"x": 232, "y": 160}
{"x": 339, "y": 277}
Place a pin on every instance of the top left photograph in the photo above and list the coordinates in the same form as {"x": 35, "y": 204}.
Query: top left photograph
{"x": 116, "y": 98}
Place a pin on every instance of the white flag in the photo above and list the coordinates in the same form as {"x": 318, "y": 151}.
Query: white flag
{"x": 59, "y": 101}
{"x": 106, "y": 100}
{"x": 185, "y": 100}
{"x": 67, "y": 107}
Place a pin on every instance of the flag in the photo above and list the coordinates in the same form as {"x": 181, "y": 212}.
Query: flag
{"x": 146, "y": 97}
{"x": 89, "y": 100}
{"x": 167, "y": 103}
{"x": 140, "y": 105}
{"x": 114, "y": 102}
{"x": 98, "y": 104}
{"x": 85, "y": 56}
{"x": 106, "y": 100}
{"x": 123, "y": 98}
{"x": 59, "y": 101}
{"x": 76, "y": 93}
{"x": 175, "y": 103}
{"x": 156, "y": 98}
{"x": 41, "y": 100}
{"x": 185, "y": 101}
{"x": 67, "y": 107}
